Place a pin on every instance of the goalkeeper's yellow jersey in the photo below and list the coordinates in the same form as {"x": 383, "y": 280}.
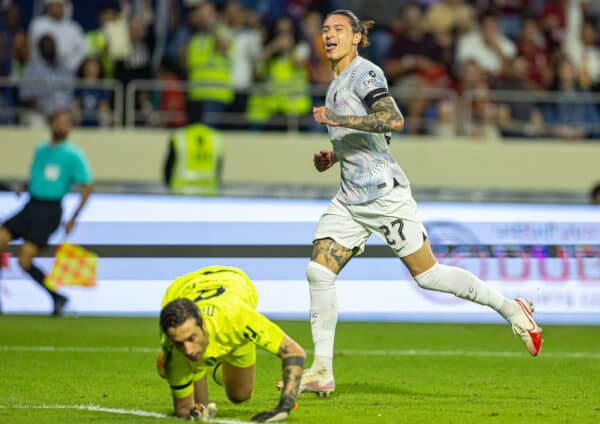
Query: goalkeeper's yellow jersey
{"x": 227, "y": 302}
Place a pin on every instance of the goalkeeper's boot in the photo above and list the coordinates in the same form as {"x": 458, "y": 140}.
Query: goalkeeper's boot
{"x": 203, "y": 413}
{"x": 319, "y": 381}
{"x": 524, "y": 326}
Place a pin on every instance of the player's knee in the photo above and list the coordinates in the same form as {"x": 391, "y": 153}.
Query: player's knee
{"x": 317, "y": 274}
{"x": 430, "y": 279}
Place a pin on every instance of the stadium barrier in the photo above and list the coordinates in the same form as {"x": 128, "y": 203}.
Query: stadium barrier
{"x": 289, "y": 122}
{"x": 484, "y": 114}
{"x": 532, "y": 113}
{"x": 12, "y": 112}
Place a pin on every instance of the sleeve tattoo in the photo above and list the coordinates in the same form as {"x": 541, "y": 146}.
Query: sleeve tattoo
{"x": 385, "y": 116}
{"x": 292, "y": 375}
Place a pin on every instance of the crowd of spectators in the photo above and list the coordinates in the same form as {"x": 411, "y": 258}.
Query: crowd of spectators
{"x": 527, "y": 68}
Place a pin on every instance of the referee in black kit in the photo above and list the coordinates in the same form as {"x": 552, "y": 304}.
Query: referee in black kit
{"x": 57, "y": 165}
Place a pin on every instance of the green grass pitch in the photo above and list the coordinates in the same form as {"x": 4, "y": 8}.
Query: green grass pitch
{"x": 102, "y": 370}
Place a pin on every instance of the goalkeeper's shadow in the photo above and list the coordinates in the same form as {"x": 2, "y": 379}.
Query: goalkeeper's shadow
{"x": 387, "y": 389}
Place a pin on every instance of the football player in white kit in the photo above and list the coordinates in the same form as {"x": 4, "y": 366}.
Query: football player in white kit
{"x": 374, "y": 197}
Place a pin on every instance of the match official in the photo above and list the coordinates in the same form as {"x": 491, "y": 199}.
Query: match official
{"x": 56, "y": 166}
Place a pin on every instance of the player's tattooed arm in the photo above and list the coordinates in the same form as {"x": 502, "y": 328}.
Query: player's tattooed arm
{"x": 292, "y": 365}
{"x": 384, "y": 117}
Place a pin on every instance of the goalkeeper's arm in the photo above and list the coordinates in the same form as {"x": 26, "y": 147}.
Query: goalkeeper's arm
{"x": 186, "y": 407}
{"x": 292, "y": 360}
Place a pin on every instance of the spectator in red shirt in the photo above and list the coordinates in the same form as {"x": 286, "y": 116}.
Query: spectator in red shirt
{"x": 517, "y": 116}
{"x": 532, "y": 47}
{"x": 553, "y": 18}
{"x": 172, "y": 97}
{"x": 478, "y": 113}
{"x": 414, "y": 62}
{"x": 510, "y": 13}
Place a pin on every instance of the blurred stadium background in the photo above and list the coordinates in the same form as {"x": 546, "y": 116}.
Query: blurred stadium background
{"x": 502, "y": 151}
{"x": 482, "y": 146}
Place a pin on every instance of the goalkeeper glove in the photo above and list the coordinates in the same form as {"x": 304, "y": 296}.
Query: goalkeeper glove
{"x": 202, "y": 412}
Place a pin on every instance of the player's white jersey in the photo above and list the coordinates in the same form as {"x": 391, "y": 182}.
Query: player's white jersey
{"x": 368, "y": 169}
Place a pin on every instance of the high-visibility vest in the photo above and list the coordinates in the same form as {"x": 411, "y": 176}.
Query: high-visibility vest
{"x": 198, "y": 150}
{"x": 210, "y": 68}
{"x": 287, "y": 91}
{"x": 96, "y": 41}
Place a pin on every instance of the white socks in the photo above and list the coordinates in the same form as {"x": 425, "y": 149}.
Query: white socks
{"x": 443, "y": 278}
{"x": 462, "y": 283}
{"x": 323, "y": 313}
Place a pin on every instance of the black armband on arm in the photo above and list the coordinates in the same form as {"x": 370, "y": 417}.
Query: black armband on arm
{"x": 373, "y": 96}
{"x": 293, "y": 361}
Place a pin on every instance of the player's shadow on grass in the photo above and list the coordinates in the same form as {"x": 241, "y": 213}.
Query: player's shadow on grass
{"x": 368, "y": 388}
{"x": 378, "y": 389}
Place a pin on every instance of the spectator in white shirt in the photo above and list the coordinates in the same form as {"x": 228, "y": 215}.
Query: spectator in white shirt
{"x": 486, "y": 46}
{"x": 580, "y": 45}
{"x": 70, "y": 39}
{"x": 47, "y": 85}
{"x": 246, "y": 44}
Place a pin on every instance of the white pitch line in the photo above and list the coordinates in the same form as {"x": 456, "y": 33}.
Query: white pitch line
{"x": 120, "y": 411}
{"x": 349, "y": 352}
{"x": 472, "y": 353}
{"x": 79, "y": 349}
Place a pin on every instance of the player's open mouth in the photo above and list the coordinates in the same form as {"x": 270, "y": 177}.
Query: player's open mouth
{"x": 330, "y": 46}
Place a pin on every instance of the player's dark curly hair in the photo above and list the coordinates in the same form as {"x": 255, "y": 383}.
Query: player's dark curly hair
{"x": 177, "y": 312}
{"x": 357, "y": 25}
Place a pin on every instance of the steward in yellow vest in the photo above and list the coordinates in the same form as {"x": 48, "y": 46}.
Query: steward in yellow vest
{"x": 283, "y": 68}
{"x": 194, "y": 161}
{"x": 208, "y": 65}
{"x": 287, "y": 92}
{"x": 210, "y": 68}
{"x": 208, "y": 58}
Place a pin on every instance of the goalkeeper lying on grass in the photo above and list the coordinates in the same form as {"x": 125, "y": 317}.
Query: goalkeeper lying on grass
{"x": 209, "y": 323}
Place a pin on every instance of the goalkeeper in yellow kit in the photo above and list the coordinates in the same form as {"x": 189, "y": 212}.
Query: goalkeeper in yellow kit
{"x": 209, "y": 324}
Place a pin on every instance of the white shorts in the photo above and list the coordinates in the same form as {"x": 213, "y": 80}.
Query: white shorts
{"x": 392, "y": 217}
